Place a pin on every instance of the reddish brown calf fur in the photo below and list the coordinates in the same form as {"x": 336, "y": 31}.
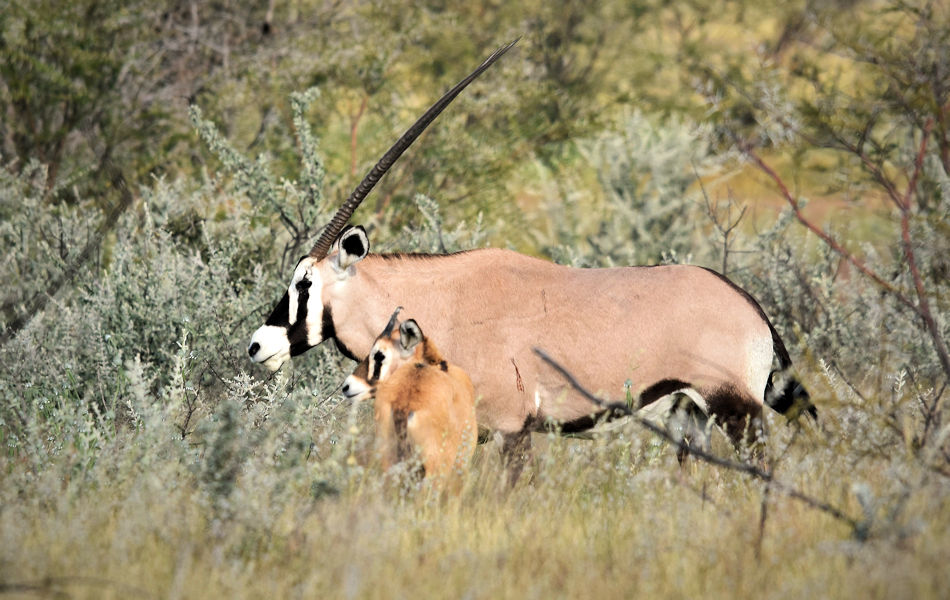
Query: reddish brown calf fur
{"x": 423, "y": 404}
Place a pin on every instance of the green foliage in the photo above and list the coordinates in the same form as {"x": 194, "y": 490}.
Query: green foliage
{"x": 46, "y": 238}
{"x": 650, "y": 203}
{"x": 298, "y": 206}
{"x": 73, "y": 91}
{"x": 140, "y": 445}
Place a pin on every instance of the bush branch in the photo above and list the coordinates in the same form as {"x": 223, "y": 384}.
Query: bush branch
{"x": 825, "y": 237}
{"x": 683, "y": 446}
{"x": 40, "y": 299}
{"x": 904, "y": 204}
{"x": 923, "y": 304}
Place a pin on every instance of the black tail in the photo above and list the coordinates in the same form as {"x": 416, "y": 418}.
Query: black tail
{"x": 789, "y": 398}
{"x": 792, "y": 400}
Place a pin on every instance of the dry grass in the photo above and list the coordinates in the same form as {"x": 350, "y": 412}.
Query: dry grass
{"x": 614, "y": 517}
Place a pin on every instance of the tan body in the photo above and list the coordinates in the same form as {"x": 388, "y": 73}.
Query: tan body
{"x": 662, "y": 329}
{"x": 489, "y": 308}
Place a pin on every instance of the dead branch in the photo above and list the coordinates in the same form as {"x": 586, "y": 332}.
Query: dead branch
{"x": 904, "y": 204}
{"x": 681, "y": 445}
{"x": 826, "y": 238}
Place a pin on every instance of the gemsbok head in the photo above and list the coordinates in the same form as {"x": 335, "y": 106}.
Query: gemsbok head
{"x": 422, "y": 403}
{"x": 647, "y": 331}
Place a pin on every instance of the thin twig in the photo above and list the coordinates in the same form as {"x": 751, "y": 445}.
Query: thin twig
{"x": 712, "y": 211}
{"x": 622, "y": 408}
{"x": 826, "y": 238}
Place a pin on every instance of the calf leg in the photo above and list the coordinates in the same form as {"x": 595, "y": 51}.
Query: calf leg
{"x": 386, "y": 440}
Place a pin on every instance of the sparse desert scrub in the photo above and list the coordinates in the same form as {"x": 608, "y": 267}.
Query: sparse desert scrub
{"x": 613, "y": 517}
{"x": 144, "y": 456}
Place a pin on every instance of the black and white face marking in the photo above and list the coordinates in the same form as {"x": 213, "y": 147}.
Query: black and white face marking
{"x": 361, "y": 384}
{"x": 300, "y": 321}
{"x": 294, "y": 326}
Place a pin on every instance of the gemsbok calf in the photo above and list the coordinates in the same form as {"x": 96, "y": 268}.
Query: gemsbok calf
{"x": 646, "y": 331}
{"x": 422, "y": 403}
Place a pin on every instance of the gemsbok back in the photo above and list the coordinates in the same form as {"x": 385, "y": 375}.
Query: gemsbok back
{"x": 422, "y": 403}
{"x": 646, "y": 331}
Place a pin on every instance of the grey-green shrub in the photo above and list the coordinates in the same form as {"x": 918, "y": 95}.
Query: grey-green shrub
{"x": 647, "y": 206}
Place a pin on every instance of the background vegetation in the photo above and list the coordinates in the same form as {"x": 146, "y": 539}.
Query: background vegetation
{"x": 165, "y": 163}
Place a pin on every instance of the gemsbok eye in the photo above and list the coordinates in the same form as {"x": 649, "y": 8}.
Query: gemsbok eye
{"x": 303, "y": 284}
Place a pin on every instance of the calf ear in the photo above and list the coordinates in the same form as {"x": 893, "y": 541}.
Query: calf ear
{"x": 409, "y": 336}
{"x": 353, "y": 245}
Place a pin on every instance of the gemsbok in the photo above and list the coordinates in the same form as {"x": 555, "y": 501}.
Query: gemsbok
{"x": 422, "y": 403}
{"x": 643, "y": 331}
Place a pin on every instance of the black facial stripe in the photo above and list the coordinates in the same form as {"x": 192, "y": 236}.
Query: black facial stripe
{"x": 328, "y": 331}
{"x": 378, "y": 359}
{"x": 280, "y": 317}
{"x": 298, "y": 348}
{"x": 302, "y": 297}
{"x": 297, "y": 335}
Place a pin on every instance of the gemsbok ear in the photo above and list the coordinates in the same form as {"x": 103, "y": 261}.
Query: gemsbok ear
{"x": 354, "y": 246}
{"x": 409, "y": 336}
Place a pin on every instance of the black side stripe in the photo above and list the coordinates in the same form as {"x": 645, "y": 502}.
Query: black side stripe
{"x": 659, "y": 389}
{"x": 280, "y": 316}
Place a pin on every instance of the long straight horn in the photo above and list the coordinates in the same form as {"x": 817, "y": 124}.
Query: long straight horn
{"x": 342, "y": 215}
{"x": 392, "y": 323}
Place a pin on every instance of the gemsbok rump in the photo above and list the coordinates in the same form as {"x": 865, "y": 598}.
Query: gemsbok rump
{"x": 646, "y": 331}
{"x": 422, "y": 403}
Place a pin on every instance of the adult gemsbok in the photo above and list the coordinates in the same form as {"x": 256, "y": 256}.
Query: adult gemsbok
{"x": 662, "y": 328}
